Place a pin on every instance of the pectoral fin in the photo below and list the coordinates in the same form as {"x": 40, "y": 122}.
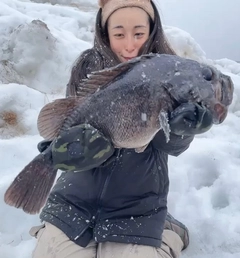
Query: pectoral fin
{"x": 52, "y": 116}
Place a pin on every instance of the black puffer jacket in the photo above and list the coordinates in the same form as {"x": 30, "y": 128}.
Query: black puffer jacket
{"x": 123, "y": 201}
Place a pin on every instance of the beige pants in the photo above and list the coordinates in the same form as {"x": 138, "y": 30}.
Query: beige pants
{"x": 53, "y": 243}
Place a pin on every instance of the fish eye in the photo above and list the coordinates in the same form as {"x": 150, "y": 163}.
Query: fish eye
{"x": 207, "y": 74}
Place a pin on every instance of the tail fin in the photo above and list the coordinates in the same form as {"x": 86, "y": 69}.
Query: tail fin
{"x": 31, "y": 187}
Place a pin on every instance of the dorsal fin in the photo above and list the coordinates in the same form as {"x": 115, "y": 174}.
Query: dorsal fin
{"x": 100, "y": 80}
{"x": 53, "y": 115}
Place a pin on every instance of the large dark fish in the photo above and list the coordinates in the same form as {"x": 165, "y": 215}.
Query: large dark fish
{"x": 129, "y": 104}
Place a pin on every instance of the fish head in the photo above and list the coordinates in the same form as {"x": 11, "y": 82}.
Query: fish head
{"x": 223, "y": 88}
{"x": 191, "y": 81}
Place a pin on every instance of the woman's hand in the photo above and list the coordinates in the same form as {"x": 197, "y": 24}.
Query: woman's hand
{"x": 79, "y": 148}
{"x": 190, "y": 119}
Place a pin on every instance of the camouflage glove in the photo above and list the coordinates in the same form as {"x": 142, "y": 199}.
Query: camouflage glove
{"x": 190, "y": 119}
{"x": 79, "y": 148}
{"x": 43, "y": 145}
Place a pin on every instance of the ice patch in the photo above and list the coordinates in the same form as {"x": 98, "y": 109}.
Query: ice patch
{"x": 144, "y": 116}
{"x": 8, "y": 73}
{"x": 163, "y": 120}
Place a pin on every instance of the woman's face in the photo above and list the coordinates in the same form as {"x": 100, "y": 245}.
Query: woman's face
{"x": 128, "y": 30}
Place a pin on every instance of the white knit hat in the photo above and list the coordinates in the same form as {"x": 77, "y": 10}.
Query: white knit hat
{"x": 110, "y": 6}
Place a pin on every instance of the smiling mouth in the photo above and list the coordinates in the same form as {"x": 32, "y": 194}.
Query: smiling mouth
{"x": 128, "y": 58}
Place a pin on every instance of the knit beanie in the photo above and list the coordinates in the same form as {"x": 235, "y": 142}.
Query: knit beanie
{"x": 110, "y": 6}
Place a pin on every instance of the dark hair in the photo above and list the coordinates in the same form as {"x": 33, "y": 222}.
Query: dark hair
{"x": 101, "y": 56}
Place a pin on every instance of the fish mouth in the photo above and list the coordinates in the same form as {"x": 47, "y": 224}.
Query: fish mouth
{"x": 220, "y": 113}
{"x": 224, "y": 97}
{"x": 226, "y": 90}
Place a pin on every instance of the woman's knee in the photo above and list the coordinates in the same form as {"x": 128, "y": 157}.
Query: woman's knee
{"x": 53, "y": 243}
{"x": 123, "y": 250}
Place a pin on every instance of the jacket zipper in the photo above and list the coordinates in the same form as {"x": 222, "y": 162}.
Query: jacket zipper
{"x": 81, "y": 232}
{"x": 94, "y": 218}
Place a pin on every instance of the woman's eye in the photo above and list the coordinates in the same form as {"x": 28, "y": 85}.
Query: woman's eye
{"x": 119, "y": 35}
{"x": 139, "y": 35}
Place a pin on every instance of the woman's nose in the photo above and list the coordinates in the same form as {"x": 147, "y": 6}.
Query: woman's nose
{"x": 130, "y": 45}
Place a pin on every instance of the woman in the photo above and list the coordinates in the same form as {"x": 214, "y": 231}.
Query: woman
{"x": 117, "y": 205}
